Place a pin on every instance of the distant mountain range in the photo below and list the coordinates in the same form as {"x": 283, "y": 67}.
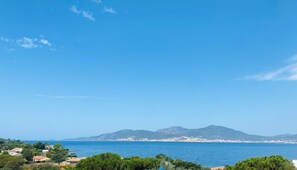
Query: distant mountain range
{"x": 179, "y": 134}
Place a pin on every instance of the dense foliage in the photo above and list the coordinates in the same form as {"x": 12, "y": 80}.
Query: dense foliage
{"x": 104, "y": 161}
{"x": 58, "y": 153}
{"x": 180, "y": 164}
{"x": 45, "y": 167}
{"x": 39, "y": 145}
{"x": 29, "y": 150}
{"x": 137, "y": 163}
{"x": 28, "y": 154}
{"x": 263, "y": 163}
{"x": 168, "y": 163}
{"x": 7, "y": 144}
{"x": 108, "y": 161}
{"x": 8, "y": 162}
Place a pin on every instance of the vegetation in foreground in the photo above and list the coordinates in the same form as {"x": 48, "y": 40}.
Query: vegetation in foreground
{"x": 264, "y": 163}
{"x": 8, "y": 162}
{"x": 110, "y": 161}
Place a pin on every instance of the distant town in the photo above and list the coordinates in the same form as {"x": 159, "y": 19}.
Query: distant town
{"x": 202, "y": 140}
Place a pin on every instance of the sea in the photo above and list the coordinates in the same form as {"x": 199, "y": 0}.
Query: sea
{"x": 206, "y": 154}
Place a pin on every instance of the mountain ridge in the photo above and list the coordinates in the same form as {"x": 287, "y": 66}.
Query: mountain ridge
{"x": 180, "y": 134}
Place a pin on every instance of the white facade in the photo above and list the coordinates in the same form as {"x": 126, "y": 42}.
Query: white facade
{"x": 295, "y": 163}
{"x": 14, "y": 153}
{"x": 45, "y": 151}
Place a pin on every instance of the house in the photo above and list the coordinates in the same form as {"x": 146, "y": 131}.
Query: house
{"x": 218, "y": 168}
{"x": 295, "y": 163}
{"x": 14, "y": 153}
{"x": 73, "y": 161}
{"x": 40, "y": 159}
{"x": 44, "y": 151}
{"x": 48, "y": 147}
{"x": 17, "y": 150}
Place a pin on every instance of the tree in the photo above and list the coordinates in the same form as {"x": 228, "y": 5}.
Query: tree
{"x": 7, "y": 144}
{"x": 27, "y": 154}
{"x": 11, "y": 162}
{"x": 105, "y": 161}
{"x": 58, "y": 153}
{"x": 137, "y": 163}
{"x": 39, "y": 145}
{"x": 110, "y": 161}
{"x": 264, "y": 163}
{"x": 165, "y": 157}
{"x": 168, "y": 163}
{"x": 72, "y": 155}
{"x": 187, "y": 165}
{"x": 2, "y": 141}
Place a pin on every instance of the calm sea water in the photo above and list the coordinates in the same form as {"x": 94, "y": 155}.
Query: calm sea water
{"x": 207, "y": 154}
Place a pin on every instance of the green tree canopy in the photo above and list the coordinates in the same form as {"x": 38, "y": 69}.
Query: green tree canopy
{"x": 186, "y": 165}
{"x": 106, "y": 161}
{"x": 58, "y": 153}
{"x": 2, "y": 141}
{"x": 6, "y": 144}
{"x": 110, "y": 161}
{"x": 27, "y": 154}
{"x": 11, "y": 162}
{"x": 137, "y": 163}
{"x": 39, "y": 145}
{"x": 264, "y": 163}
{"x": 72, "y": 155}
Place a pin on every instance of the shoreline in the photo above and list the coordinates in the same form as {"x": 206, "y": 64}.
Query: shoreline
{"x": 170, "y": 141}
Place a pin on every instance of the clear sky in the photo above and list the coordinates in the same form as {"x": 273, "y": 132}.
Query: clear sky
{"x": 84, "y": 67}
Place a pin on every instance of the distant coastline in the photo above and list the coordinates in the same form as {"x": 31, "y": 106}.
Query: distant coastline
{"x": 190, "y": 141}
{"x": 209, "y": 134}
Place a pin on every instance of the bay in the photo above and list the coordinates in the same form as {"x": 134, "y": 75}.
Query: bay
{"x": 207, "y": 154}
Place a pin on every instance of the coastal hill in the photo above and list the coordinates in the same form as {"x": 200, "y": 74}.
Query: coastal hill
{"x": 177, "y": 133}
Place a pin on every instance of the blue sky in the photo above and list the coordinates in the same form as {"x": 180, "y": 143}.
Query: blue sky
{"x": 81, "y": 68}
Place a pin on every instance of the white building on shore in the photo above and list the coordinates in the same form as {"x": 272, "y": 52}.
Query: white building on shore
{"x": 295, "y": 163}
